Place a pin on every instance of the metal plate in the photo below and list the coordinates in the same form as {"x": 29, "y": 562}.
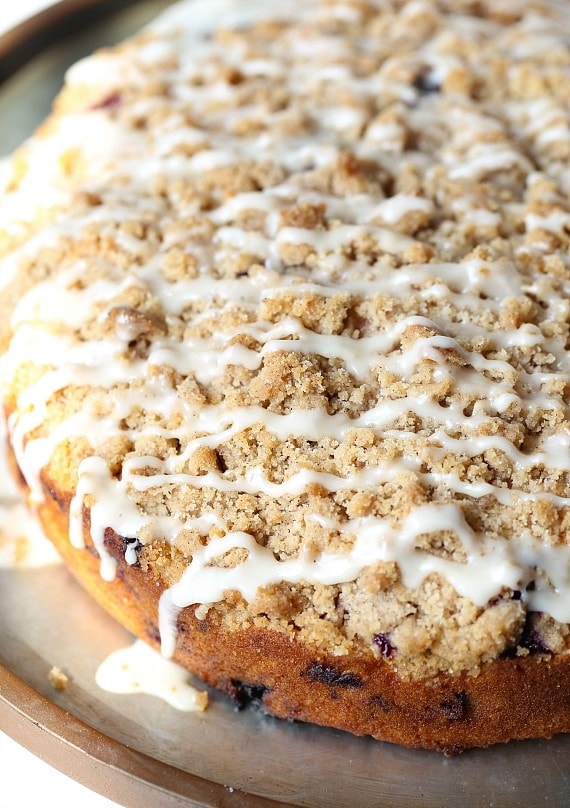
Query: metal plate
{"x": 135, "y": 749}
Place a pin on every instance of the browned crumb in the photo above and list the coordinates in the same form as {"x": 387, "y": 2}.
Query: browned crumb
{"x": 452, "y": 169}
{"x": 58, "y": 679}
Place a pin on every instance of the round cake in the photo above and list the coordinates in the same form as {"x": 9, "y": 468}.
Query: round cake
{"x": 285, "y": 296}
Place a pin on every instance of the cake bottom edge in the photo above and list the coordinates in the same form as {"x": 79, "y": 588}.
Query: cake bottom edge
{"x": 510, "y": 699}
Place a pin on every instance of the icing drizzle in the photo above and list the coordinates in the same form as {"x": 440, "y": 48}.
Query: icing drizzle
{"x": 470, "y": 357}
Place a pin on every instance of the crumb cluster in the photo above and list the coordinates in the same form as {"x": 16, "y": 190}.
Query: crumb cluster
{"x": 359, "y": 212}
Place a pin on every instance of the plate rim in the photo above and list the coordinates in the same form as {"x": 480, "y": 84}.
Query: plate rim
{"x": 101, "y": 763}
{"x": 19, "y": 44}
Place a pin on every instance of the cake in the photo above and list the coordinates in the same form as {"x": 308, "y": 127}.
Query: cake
{"x": 285, "y": 300}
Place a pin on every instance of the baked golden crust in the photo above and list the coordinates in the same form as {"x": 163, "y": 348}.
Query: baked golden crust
{"x": 517, "y": 698}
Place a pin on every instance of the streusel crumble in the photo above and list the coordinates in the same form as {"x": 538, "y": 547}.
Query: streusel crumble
{"x": 286, "y": 310}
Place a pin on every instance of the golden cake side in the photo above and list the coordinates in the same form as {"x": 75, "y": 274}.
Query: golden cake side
{"x": 359, "y": 694}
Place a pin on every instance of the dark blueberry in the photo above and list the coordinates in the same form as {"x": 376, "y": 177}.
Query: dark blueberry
{"x": 455, "y": 708}
{"x": 382, "y": 640}
{"x": 535, "y": 643}
{"x": 531, "y": 637}
{"x": 330, "y": 675}
{"x": 379, "y": 702}
{"x": 508, "y": 653}
{"x": 110, "y": 102}
{"x": 516, "y": 595}
{"x": 153, "y": 635}
{"x": 426, "y": 83}
{"x": 244, "y": 694}
{"x": 131, "y": 544}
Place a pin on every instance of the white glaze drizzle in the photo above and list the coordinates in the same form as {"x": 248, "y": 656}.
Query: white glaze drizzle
{"x": 139, "y": 669}
{"x": 475, "y": 152}
{"x": 22, "y": 542}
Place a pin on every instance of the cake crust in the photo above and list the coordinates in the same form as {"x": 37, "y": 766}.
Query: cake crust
{"x": 291, "y": 680}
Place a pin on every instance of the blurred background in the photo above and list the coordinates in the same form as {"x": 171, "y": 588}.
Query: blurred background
{"x": 14, "y": 11}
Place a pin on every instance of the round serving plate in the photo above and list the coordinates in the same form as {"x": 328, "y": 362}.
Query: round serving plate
{"x": 135, "y": 749}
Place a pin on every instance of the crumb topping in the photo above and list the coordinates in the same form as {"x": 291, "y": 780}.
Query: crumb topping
{"x": 58, "y": 679}
{"x": 286, "y": 306}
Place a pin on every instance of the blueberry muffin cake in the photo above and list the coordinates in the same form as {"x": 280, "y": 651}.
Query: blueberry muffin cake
{"x": 285, "y": 301}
